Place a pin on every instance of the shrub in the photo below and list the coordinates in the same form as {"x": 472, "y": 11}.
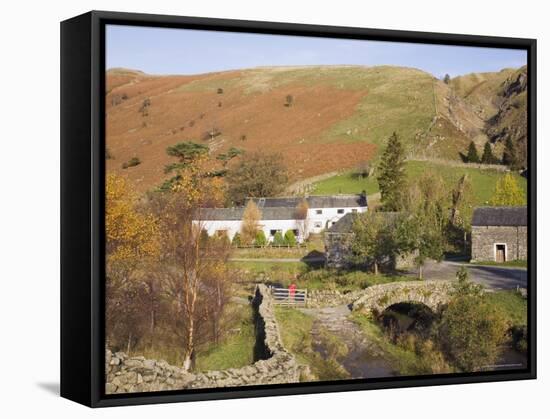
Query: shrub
{"x": 472, "y": 332}
{"x": 144, "y": 107}
{"x": 220, "y": 91}
{"x": 134, "y": 161}
{"x": 289, "y": 101}
{"x": 278, "y": 239}
{"x": 290, "y": 238}
{"x": 260, "y": 239}
{"x": 236, "y": 240}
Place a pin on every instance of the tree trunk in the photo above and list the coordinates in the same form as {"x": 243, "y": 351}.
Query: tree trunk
{"x": 420, "y": 271}
{"x": 128, "y": 346}
{"x": 375, "y": 267}
{"x": 190, "y": 345}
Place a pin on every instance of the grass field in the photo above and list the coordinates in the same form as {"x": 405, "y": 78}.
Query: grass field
{"x": 236, "y": 348}
{"x": 483, "y": 180}
{"x": 313, "y": 277}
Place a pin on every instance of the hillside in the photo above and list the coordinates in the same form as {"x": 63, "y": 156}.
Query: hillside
{"x": 338, "y": 116}
{"x": 501, "y": 100}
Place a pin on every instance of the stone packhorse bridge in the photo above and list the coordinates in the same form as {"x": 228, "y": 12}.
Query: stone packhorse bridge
{"x": 377, "y": 298}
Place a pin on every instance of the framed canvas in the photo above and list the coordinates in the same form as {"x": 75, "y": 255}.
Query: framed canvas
{"x": 254, "y": 209}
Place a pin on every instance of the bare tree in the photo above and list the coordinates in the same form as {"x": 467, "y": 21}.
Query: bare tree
{"x": 301, "y": 214}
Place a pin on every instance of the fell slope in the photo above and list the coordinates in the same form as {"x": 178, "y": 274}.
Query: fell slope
{"x": 339, "y": 116}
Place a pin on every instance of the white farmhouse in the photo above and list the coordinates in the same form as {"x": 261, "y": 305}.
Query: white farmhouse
{"x": 281, "y": 215}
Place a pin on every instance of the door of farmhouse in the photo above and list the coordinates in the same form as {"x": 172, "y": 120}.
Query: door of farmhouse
{"x": 501, "y": 253}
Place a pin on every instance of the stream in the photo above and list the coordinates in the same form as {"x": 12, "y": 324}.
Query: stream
{"x": 365, "y": 358}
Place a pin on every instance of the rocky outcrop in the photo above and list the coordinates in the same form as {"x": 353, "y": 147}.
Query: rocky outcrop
{"x": 379, "y": 297}
{"x": 276, "y": 365}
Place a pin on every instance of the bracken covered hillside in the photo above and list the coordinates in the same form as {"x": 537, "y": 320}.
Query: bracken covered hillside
{"x": 322, "y": 119}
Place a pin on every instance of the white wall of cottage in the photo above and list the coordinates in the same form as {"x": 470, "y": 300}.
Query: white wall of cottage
{"x": 316, "y": 222}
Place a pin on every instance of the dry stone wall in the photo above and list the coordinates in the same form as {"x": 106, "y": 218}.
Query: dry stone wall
{"x": 331, "y": 298}
{"x": 126, "y": 374}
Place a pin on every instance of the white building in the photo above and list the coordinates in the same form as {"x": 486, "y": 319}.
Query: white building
{"x": 280, "y": 215}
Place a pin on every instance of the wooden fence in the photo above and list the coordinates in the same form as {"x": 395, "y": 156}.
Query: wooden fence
{"x": 287, "y": 297}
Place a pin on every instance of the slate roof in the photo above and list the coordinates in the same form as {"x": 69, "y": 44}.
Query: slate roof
{"x": 327, "y": 201}
{"x": 500, "y": 216}
{"x": 344, "y": 224}
{"x": 236, "y": 214}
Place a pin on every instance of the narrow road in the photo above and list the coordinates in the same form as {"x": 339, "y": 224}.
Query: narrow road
{"x": 492, "y": 277}
{"x": 364, "y": 359}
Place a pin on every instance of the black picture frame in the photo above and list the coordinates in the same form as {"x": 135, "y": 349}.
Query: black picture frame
{"x": 83, "y": 206}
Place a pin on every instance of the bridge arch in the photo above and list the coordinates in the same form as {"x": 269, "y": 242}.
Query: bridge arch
{"x": 378, "y": 298}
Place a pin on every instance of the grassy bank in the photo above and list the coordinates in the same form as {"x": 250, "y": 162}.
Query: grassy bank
{"x": 296, "y": 332}
{"x": 512, "y": 304}
{"x": 236, "y": 349}
{"x": 311, "y": 277}
{"x": 510, "y": 263}
{"x": 483, "y": 180}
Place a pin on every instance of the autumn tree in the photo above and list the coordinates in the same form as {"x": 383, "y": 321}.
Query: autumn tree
{"x": 373, "y": 240}
{"x": 257, "y": 175}
{"x": 132, "y": 244}
{"x": 391, "y": 175}
{"x": 507, "y": 192}
{"x": 195, "y": 272}
{"x": 251, "y": 222}
{"x": 301, "y": 215}
{"x": 421, "y": 228}
{"x": 461, "y": 210}
{"x": 472, "y": 156}
{"x": 446, "y": 79}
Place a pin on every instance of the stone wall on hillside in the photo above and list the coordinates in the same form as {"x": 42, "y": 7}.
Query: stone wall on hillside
{"x": 126, "y": 374}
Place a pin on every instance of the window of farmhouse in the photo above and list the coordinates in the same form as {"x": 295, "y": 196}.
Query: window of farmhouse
{"x": 318, "y": 211}
{"x": 273, "y": 232}
{"x": 340, "y": 211}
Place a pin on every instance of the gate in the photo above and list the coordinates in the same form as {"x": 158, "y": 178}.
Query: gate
{"x": 287, "y": 297}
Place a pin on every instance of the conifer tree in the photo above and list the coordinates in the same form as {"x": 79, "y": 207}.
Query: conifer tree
{"x": 472, "y": 156}
{"x": 510, "y": 157}
{"x": 392, "y": 179}
{"x": 488, "y": 157}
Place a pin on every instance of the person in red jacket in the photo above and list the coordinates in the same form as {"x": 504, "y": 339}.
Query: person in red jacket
{"x": 292, "y": 291}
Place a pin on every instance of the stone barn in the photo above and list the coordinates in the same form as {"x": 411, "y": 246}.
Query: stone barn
{"x": 338, "y": 240}
{"x": 499, "y": 234}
